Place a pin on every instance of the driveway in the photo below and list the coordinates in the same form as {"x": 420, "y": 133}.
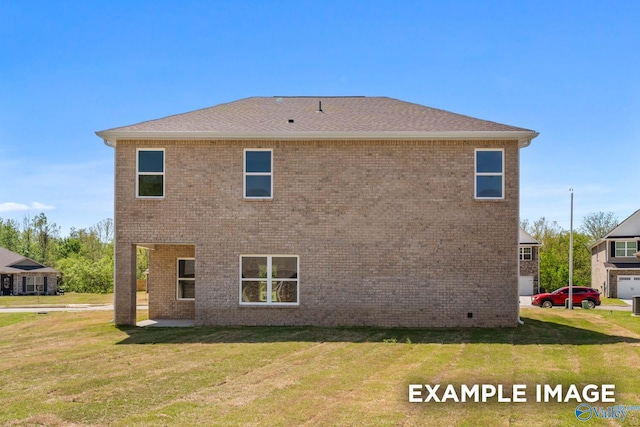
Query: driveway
{"x": 525, "y": 302}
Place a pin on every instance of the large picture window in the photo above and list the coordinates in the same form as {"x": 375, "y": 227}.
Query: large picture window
{"x": 186, "y": 278}
{"x": 269, "y": 279}
{"x": 626, "y": 249}
{"x": 258, "y": 174}
{"x": 489, "y": 174}
{"x": 150, "y": 173}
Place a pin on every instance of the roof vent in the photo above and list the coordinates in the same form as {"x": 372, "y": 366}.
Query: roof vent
{"x": 320, "y": 107}
{"x": 290, "y": 120}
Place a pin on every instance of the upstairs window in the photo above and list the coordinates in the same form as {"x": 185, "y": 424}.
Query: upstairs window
{"x": 489, "y": 174}
{"x": 258, "y": 174}
{"x": 526, "y": 253}
{"x": 150, "y": 173}
{"x": 186, "y": 278}
{"x": 626, "y": 249}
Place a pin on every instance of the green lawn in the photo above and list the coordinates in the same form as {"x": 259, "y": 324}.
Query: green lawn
{"x": 78, "y": 369}
{"x": 62, "y": 300}
{"x": 613, "y": 301}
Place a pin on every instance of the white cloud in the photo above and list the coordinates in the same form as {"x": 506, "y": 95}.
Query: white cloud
{"x": 19, "y": 207}
{"x": 42, "y": 206}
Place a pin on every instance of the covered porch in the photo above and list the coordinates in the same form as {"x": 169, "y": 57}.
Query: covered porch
{"x": 171, "y": 283}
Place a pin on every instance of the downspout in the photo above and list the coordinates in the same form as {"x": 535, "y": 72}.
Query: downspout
{"x": 520, "y": 145}
{"x": 520, "y": 322}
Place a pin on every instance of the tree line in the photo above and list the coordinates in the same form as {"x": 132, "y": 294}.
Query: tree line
{"x": 84, "y": 257}
{"x": 554, "y": 253}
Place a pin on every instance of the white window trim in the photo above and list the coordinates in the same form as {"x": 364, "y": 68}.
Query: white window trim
{"x": 269, "y": 281}
{"x": 245, "y": 174}
{"x": 33, "y": 284}
{"x": 178, "y": 278}
{"x": 523, "y": 254}
{"x": 633, "y": 250}
{"x": 476, "y": 174}
{"x": 163, "y": 173}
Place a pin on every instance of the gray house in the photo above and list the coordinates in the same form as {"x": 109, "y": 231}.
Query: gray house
{"x": 615, "y": 260}
{"x": 20, "y": 275}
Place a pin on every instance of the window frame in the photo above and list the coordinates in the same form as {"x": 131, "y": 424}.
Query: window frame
{"x": 523, "y": 254}
{"x": 246, "y": 174}
{"x": 629, "y": 251}
{"x": 269, "y": 279}
{"x": 178, "y": 279}
{"x": 34, "y": 284}
{"x": 163, "y": 173}
{"x": 479, "y": 174}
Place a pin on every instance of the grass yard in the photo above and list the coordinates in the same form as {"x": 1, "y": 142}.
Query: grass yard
{"x": 62, "y": 300}
{"x": 65, "y": 369}
{"x": 613, "y": 301}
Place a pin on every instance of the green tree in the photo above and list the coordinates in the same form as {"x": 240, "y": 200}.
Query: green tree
{"x": 10, "y": 235}
{"x": 45, "y": 239}
{"x": 554, "y": 254}
{"x": 84, "y": 257}
{"x": 142, "y": 262}
{"x": 597, "y": 224}
{"x": 83, "y": 274}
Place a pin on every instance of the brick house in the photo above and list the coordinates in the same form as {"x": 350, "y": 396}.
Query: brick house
{"x": 529, "y": 279}
{"x": 615, "y": 260}
{"x": 20, "y": 275}
{"x": 319, "y": 211}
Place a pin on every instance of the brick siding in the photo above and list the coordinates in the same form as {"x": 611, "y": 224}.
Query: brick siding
{"x": 388, "y": 233}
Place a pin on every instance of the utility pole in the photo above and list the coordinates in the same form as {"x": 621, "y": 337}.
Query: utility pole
{"x": 571, "y": 254}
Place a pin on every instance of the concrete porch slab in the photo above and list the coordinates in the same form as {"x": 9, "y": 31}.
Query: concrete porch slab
{"x": 167, "y": 323}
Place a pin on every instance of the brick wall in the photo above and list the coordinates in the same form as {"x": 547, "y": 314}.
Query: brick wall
{"x": 532, "y": 268}
{"x": 162, "y": 281}
{"x": 388, "y": 232}
{"x": 51, "y": 284}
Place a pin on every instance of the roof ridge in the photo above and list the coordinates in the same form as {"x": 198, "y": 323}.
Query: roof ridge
{"x": 321, "y": 96}
{"x": 294, "y": 117}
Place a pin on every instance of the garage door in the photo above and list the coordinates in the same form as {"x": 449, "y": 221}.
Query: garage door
{"x": 525, "y": 286}
{"x": 628, "y": 286}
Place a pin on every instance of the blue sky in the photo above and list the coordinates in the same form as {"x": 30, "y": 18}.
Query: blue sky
{"x": 569, "y": 70}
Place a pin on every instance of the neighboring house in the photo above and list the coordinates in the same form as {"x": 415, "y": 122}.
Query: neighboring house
{"x": 529, "y": 280}
{"x": 319, "y": 211}
{"x": 615, "y": 260}
{"x": 20, "y": 275}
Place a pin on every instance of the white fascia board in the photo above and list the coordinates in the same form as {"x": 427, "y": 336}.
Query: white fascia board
{"x": 524, "y": 137}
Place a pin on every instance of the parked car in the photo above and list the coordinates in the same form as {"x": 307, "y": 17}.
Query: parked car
{"x": 558, "y": 297}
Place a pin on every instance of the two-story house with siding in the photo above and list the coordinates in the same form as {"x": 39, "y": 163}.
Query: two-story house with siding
{"x": 319, "y": 211}
{"x": 615, "y": 260}
{"x": 529, "y": 281}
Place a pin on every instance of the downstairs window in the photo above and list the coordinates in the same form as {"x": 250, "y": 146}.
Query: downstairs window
{"x": 269, "y": 280}
{"x": 186, "y": 279}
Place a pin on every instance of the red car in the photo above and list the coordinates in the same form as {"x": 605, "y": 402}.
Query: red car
{"x": 558, "y": 297}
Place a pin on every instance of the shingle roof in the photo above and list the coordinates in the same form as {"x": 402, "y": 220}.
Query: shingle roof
{"x": 623, "y": 265}
{"x": 314, "y": 116}
{"x": 9, "y": 258}
{"x": 627, "y": 229}
{"x": 527, "y": 239}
